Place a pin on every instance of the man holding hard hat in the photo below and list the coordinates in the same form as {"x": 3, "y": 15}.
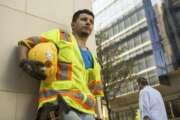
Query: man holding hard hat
{"x": 70, "y": 74}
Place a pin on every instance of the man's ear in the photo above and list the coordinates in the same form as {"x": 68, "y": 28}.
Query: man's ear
{"x": 72, "y": 25}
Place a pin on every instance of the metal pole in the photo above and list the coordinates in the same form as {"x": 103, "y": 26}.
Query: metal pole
{"x": 171, "y": 109}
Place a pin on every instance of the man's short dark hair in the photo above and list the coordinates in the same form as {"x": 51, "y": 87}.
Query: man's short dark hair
{"x": 143, "y": 81}
{"x": 77, "y": 13}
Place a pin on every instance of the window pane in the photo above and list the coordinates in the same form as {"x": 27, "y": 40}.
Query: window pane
{"x": 135, "y": 68}
{"x": 142, "y": 64}
{"x": 110, "y": 32}
{"x": 115, "y": 29}
{"x": 137, "y": 40}
{"x": 106, "y": 35}
{"x": 131, "y": 43}
{"x": 145, "y": 36}
{"x": 149, "y": 61}
{"x": 121, "y": 25}
{"x": 127, "y": 22}
{"x": 152, "y": 77}
{"x": 140, "y": 14}
{"x": 134, "y": 18}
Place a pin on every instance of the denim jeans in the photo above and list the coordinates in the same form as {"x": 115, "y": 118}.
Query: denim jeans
{"x": 44, "y": 112}
{"x": 74, "y": 115}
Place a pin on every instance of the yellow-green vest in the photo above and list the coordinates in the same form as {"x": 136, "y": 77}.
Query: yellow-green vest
{"x": 78, "y": 86}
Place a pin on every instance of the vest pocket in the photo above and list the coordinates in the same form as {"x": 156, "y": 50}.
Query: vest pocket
{"x": 65, "y": 51}
{"x": 64, "y": 71}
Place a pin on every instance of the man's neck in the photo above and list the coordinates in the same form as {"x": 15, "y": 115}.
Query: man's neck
{"x": 81, "y": 41}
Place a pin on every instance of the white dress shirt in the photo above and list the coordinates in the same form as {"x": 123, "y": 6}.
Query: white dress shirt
{"x": 151, "y": 104}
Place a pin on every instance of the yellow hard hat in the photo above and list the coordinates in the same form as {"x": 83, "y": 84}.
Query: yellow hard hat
{"x": 47, "y": 54}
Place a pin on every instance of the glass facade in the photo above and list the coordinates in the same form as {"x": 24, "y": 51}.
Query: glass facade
{"x": 123, "y": 23}
{"x": 134, "y": 45}
{"x": 105, "y": 9}
{"x": 129, "y": 37}
{"x": 158, "y": 50}
{"x": 133, "y": 39}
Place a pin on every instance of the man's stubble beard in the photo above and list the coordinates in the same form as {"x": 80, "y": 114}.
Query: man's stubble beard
{"x": 84, "y": 34}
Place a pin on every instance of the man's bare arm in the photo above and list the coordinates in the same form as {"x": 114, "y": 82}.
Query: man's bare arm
{"x": 22, "y": 53}
{"x": 35, "y": 69}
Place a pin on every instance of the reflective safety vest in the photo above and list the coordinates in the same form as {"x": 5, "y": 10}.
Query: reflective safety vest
{"x": 66, "y": 72}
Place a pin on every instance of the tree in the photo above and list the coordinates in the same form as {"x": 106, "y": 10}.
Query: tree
{"x": 116, "y": 70}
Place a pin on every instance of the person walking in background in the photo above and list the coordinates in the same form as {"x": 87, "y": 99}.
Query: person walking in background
{"x": 71, "y": 85}
{"x": 150, "y": 102}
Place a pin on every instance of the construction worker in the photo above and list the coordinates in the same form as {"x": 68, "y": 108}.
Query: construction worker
{"x": 70, "y": 74}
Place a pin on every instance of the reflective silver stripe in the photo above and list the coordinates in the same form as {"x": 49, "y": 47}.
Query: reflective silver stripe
{"x": 65, "y": 36}
{"x": 63, "y": 71}
{"x": 79, "y": 96}
{"x": 89, "y": 102}
{"x": 48, "y": 93}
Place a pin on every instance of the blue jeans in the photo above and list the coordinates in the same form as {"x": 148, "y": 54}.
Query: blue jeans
{"x": 74, "y": 115}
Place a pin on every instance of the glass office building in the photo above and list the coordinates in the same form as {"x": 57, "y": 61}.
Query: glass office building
{"x": 132, "y": 26}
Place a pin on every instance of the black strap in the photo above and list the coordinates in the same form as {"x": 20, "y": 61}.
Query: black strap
{"x": 50, "y": 111}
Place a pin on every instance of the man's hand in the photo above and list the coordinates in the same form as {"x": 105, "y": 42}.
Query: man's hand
{"x": 35, "y": 69}
{"x": 98, "y": 119}
{"x": 146, "y": 118}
